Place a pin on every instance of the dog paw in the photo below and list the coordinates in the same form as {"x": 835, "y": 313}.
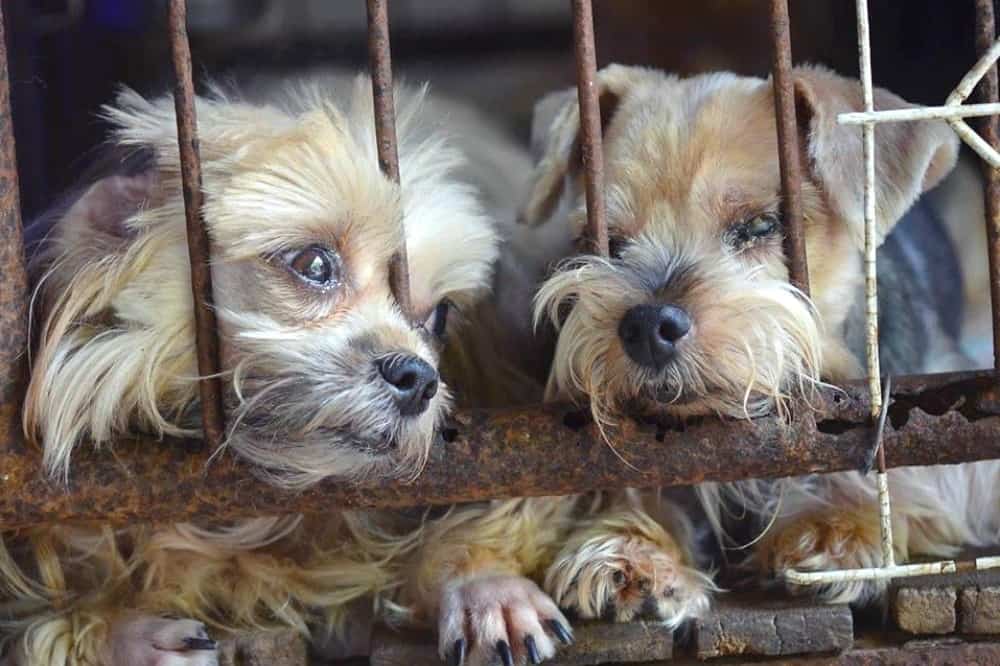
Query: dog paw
{"x": 490, "y": 618}
{"x": 825, "y": 542}
{"x": 143, "y": 640}
{"x": 622, "y": 578}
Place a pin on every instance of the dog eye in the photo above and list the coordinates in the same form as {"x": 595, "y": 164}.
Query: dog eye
{"x": 437, "y": 323}
{"x": 318, "y": 266}
{"x": 616, "y": 244}
{"x": 761, "y": 225}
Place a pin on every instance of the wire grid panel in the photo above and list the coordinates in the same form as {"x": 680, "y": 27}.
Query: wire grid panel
{"x": 953, "y": 111}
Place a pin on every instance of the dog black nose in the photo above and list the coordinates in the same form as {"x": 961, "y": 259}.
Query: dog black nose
{"x": 411, "y": 379}
{"x": 649, "y": 333}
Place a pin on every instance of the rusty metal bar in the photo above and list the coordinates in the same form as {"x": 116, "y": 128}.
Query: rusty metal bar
{"x": 380, "y": 64}
{"x": 13, "y": 279}
{"x": 985, "y": 37}
{"x": 591, "y": 151}
{"x": 788, "y": 147}
{"x": 199, "y": 243}
{"x": 540, "y": 450}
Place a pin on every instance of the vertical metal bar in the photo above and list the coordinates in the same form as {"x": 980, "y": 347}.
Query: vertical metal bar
{"x": 871, "y": 282}
{"x": 380, "y": 64}
{"x": 13, "y": 277}
{"x": 987, "y": 127}
{"x": 788, "y": 147}
{"x": 590, "y": 123}
{"x": 199, "y": 243}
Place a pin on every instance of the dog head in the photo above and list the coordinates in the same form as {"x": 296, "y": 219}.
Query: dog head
{"x": 324, "y": 375}
{"x": 692, "y": 313}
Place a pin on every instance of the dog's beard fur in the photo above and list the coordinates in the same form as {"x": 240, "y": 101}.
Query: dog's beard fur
{"x": 116, "y": 350}
{"x": 310, "y": 407}
{"x": 755, "y": 338}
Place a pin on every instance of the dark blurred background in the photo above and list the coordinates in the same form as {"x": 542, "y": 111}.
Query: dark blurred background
{"x": 67, "y": 56}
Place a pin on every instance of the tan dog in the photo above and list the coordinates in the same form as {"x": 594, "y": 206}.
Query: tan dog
{"x": 323, "y": 375}
{"x": 693, "y": 313}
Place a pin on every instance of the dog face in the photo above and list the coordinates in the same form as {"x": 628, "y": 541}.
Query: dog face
{"x": 693, "y": 313}
{"x": 324, "y": 374}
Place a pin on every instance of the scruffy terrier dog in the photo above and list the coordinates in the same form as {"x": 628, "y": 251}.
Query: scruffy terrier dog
{"x": 324, "y": 376}
{"x": 693, "y": 314}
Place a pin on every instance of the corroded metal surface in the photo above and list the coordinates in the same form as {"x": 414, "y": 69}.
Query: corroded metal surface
{"x": 13, "y": 282}
{"x": 540, "y": 450}
{"x": 987, "y": 93}
{"x": 380, "y": 64}
{"x": 591, "y": 150}
{"x": 788, "y": 146}
{"x": 199, "y": 243}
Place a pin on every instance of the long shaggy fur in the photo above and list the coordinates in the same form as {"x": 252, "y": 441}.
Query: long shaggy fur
{"x": 116, "y": 357}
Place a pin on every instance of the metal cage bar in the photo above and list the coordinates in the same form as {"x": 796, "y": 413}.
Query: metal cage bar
{"x": 591, "y": 150}
{"x": 198, "y": 240}
{"x": 13, "y": 277}
{"x": 542, "y": 450}
{"x": 788, "y": 147}
{"x": 380, "y": 65}
{"x": 985, "y": 40}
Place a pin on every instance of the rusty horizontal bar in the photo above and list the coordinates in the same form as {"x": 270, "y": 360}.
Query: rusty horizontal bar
{"x": 788, "y": 146}
{"x": 380, "y": 65}
{"x": 540, "y": 450}
{"x": 13, "y": 280}
{"x": 987, "y": 93}
{"x": 199, "y": 243}
{"x": 591, "y": 149}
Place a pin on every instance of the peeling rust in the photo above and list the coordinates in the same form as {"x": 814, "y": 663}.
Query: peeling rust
{"x": 384, "y": 110}
{"x": 788, "y": 146}
{"x": 591, "y": 149}
{"x": 987, "y": 127}
{"x": 198, "y": 240}
{"x": 13, "y": 281}
{"x": 539, "y": 450}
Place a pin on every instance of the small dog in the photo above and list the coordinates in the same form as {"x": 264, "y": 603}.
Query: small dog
{"x": 324, "y": 376}
{"x": 693, "y": 314}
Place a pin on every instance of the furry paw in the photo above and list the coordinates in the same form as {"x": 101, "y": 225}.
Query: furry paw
{"x": 142, "y": 640}
{"x": 823, "y": 542}
{"x": 488, "y": 618}
{"x": 621, "y": 578}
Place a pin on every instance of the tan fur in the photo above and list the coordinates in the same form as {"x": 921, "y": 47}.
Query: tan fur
{"x": 117, "y": 356}
{"x": 687, "y": 162}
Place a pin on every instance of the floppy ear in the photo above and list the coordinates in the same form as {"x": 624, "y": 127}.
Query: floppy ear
{"x": 910, "y": 157}
{"x": 555, "y": 138}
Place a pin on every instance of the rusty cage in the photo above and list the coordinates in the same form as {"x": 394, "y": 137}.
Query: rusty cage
{"x": 936, "y": 419}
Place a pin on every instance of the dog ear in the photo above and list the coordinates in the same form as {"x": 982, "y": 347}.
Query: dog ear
{"x": 101, "y": 213}
{"x": 555, "y": 138}
{"x": 910, "y": 157}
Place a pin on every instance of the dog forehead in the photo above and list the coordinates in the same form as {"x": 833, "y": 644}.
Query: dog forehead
{"x": 311, "y": 184}
{"x": 692, "y": 151}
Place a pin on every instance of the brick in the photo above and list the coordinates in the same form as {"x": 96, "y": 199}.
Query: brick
{"x": 925, "y": 610}
{"x": 772, "y": 629}
{"x": 283, "y": 648}
{"x": 595, "y": 643}
{"x": 979, "y": 610}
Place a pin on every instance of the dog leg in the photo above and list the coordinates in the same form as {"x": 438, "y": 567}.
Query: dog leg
{"x": 823, "y": 540}
{"x": 143, "y": 640}
{"x": 623, "y": 565}
{"x": 471, "y": 577}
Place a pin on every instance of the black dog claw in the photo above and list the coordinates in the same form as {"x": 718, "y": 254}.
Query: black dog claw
{"x": 457, "y": 655}
{"x": 529, "y": 644}
{"x": 561, "y": 632}
{"x": 505, "y": 656}
{"x": 191, "y": 643}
